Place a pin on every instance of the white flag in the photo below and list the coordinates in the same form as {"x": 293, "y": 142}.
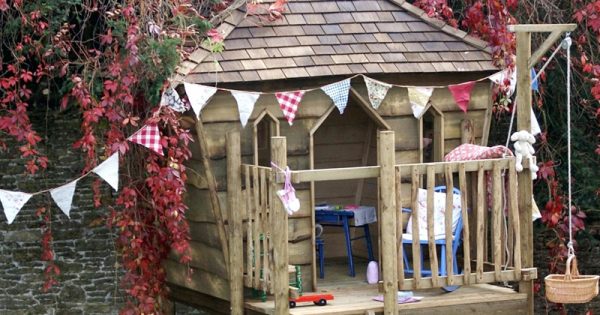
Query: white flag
{"x": 501, "y": 76}
{"x": 338, "y": 92}
{"x": 12, "y": 202}
{"x": 171, "y": 99}
{"x": 535, "y": 125}
{"x": 63, "y": 196}
{"x": 109, "y": 171}
{"x": 377, "y": 91}
{"x": 198, "y": 95}
{"x": 245, "y": 103}
{"x": 418, "y": 98}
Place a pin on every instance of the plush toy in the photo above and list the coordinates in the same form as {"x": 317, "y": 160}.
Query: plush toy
{"x": 524, "y": 150}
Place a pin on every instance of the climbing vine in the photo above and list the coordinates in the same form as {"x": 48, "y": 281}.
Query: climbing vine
{"x": 109, "y": 60}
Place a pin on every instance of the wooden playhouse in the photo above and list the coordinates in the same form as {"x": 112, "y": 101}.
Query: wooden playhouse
{"x": 244, "y": 244}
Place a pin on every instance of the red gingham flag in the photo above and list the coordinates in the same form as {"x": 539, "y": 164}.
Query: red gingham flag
{"x": 148, "y": 136}
{"x": 288, "y": 102}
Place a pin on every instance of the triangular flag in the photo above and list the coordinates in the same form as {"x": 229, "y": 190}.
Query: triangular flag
{"x": 12, "y": 202}
{"x": 338, "y": 92}
{"x": 419, "y": 97}
{"x": 148, "y": 136}
{"x": 462, "y": 94}
{"x": 198, "y": 95}
{"x": 288, "y": 102}
{"x": 245, "y": 102}
{"x": 109, "y": 171}
{"x": 377, "y": 91}
{"x": 63, "y": 196}
{"x": 534, "y": 83}
{"x": 535, "y": 125}
{"x": 500, "y": 77}
{"x": 171, "y": 99}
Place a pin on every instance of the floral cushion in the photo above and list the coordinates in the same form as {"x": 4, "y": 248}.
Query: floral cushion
{"x": 439, "y": 210}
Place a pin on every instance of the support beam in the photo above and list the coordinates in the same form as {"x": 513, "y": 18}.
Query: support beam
{"x": 539, "y": 53}
{"x": 212, "y": 187}
{"x": 234, "y": 200}
{"x": 541, "y": 28}
{"x": 279, "y": 235}
{"x": 387, "y": 203}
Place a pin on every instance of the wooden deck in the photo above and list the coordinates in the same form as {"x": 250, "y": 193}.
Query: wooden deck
{"x": 355, "y": 296}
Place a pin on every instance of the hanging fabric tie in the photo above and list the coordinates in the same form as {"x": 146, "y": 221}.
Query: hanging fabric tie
{"x": 288, "y": 193}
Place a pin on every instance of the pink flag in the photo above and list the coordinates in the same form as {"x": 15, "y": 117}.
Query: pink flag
{"x": 288, "y": 102}
{"x": 462, "y": 94}
{"x": 148, "y": 136}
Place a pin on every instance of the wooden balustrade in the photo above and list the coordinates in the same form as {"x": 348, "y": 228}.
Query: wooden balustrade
{"x": 489, "y": 211}
{"x": 257, "y": 196}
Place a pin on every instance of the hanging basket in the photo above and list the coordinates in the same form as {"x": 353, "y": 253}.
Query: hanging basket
{"x": 571, "y": 287}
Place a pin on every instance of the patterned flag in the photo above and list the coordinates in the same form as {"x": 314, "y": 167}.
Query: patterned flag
{"x": 63, "y": 196}
{"x": 377, "y": 91}
{"x": 419, "y": 97}
{"x": 171, "y": 99}
{"x": 288, "y": 102}
{"x": 148, "y": 136}
{"x": 338, "y": 92}
{"x": 109, "y": 170}
{"x": 198, "y": 95}
{"x": 462, "y": 94}
{"x": 12, "y": 202}
{"x": 245, "y": 103}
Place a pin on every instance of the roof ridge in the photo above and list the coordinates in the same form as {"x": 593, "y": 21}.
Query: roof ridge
{"x": 443, "y": 26}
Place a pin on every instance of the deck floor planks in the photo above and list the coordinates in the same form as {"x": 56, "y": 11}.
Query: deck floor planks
{"x": 354, "y": 296}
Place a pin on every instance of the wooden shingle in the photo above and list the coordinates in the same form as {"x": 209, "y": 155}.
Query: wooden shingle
{"x": 318, "y": 38}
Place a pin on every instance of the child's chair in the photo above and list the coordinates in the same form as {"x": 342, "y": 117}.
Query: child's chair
{"x": 440, "y": 238}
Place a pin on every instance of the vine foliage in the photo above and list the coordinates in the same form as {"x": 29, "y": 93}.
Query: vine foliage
{"x": 109, "y": 60}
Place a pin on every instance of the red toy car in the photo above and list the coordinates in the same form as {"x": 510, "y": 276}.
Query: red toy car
{"x": 318, "y": 299}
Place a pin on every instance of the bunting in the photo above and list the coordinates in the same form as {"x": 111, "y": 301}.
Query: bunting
{"x": 377, "y": 91}
{"x": 12, "y": 202}
{"x": 171, "y": 99}
{"x": 534, "y": 82}
{"x": 338, "y": 92}
{"x": 419, "y": 97}
{"x": 148, "y": 136}
{"x": 288, "y": 102}
{"x": 198, "y": 95}
{"x": 462, "y": 94}
{"x": 245, "y": 102}
{"x": 109, "y": 171}
{"x": 63, "y": 196}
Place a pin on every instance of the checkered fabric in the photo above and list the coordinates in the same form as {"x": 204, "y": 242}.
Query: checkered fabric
{"x": 338, "y": 92}
{"x": 148, "y": 136}
{"x": 288, "y": 102}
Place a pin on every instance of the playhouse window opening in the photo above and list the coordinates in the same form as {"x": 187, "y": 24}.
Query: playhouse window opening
{"x": 428, "y": 137}
{"x": 265, "y": 127}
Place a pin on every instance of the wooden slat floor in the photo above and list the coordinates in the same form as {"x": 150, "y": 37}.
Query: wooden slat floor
{"x": 355, "y": 296}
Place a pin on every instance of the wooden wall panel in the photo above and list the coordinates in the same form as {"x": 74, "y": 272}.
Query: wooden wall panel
{"x": 198, "y": 201}
{"x": 206, "y": 258}
{"x": 201, "y": 280}
{"x": 205, "y": 232}
{"x": 452, "y": 122}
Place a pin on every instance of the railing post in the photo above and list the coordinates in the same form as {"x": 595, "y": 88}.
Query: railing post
{"x": 279, "y": 236}
{"x": 234, "y": 201}
{"x": 386, "y": 157}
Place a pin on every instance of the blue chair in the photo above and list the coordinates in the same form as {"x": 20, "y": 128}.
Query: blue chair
{"x": 319, "y": 243}
{"x": 456, "y": 240}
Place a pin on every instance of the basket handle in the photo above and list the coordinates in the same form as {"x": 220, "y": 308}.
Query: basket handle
{"x": 575, "y": 272}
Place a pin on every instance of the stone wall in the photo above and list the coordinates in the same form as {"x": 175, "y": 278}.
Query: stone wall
{"x": 89, "y": 280}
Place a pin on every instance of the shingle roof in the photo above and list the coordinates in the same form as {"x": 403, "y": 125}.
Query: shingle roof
{"x": 326, "y": 37}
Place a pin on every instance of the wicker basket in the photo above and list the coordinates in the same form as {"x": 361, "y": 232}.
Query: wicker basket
{"x": 571, "y": 287}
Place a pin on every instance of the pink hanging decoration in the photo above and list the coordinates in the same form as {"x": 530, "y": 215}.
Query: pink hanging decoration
{"x": 462, "y": 94}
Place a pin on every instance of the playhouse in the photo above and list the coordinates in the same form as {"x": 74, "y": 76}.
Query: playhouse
{"x": 347, "y": 155}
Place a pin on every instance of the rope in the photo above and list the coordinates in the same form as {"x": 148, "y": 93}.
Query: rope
{"x": 567, "y": 45}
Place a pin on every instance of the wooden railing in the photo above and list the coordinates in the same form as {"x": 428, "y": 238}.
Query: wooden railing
{"x": 257, "y": 196}
{"x": 491, "y": 242}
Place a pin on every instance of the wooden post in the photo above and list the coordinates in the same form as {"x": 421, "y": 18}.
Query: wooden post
{"x": 467, "y": 134}
{"x": 279, "y": 235}
{"x": 234, "y": 201}
{"x": 387, "y": 204}
{"x": 212, "y": 188}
